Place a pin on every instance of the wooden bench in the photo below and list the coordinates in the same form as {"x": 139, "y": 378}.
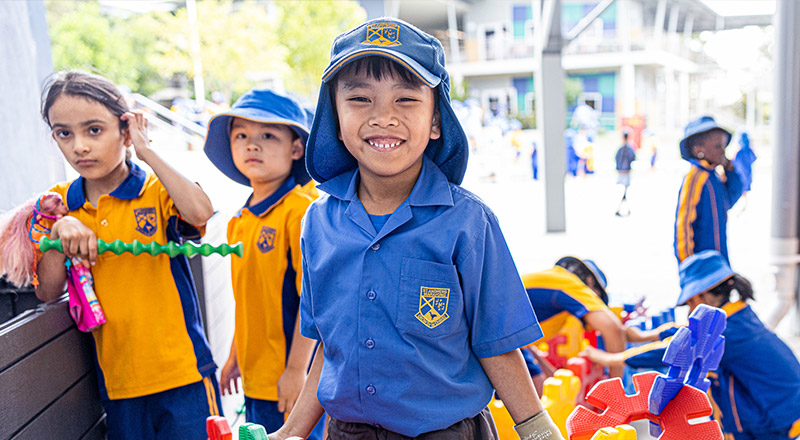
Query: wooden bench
{"x": 48, "y": 382}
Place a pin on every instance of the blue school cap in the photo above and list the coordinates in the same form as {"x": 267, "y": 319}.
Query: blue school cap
{"x": 258, "y": 105}
{"x": 699, "y": 125}
{"x": 701, "y": 272}
{"x": 423, "y": 56}
{"x": 592, "y": 267}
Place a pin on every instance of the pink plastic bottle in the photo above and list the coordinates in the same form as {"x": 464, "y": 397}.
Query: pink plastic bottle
{"x": 83, "y": 304}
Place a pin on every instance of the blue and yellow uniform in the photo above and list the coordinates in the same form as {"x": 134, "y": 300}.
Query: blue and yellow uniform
{"x": 153, "y": 341}
{"x": 556, "y": 294}
{"x": 418, "y": 293}
{"x": 701, "y": 217}
{"x": 266, "y": 286}
{"x": 757, "y": 384}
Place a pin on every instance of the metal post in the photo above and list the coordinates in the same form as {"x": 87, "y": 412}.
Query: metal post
{"x": 550, "y": 115}
{"x": 786, "y": 153}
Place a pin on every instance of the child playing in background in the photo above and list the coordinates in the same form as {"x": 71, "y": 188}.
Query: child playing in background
{"x": 408, "y": 282}
{"x": 757, "y": 384}
{"x": 705, "y": 197}
{"x": 156, "y": 372}
{"x": 260, "y": 142}
{"x": 624, "y": 157}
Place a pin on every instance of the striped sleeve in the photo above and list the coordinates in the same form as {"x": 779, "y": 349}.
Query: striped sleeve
{"x": 686, "y": 214}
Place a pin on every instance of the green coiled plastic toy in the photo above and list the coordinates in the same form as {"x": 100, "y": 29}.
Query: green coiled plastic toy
{"x": 172, "y": 249}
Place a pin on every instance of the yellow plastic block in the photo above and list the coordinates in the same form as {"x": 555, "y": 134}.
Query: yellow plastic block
{"x": 559, "y": 395}
{"x": 502, "y": 420}
{"x": 621, "y": 432}
{"x": 573, "y": 330}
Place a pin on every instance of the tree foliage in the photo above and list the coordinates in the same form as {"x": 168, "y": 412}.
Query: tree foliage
{"x": 242, "y": 43}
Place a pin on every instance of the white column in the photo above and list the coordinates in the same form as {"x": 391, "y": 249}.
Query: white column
{"x": 683, "y": 99}
{"x": 627, "y": 83}
{"x": 452, "y": 31}
{"x": 658, "y": 24}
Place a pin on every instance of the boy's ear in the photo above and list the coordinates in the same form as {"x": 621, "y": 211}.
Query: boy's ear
{"x": 436, "y": 126}
{"x": 298, "y": 149}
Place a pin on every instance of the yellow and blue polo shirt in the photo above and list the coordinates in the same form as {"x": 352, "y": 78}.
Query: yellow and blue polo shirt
{"x": 153, "y": 340}
{"x": 701, "y": 217}
{"x": 266, "y": 285}
{"x": 556, "y": 294}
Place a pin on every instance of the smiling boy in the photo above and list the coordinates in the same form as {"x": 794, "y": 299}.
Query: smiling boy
{"x": 408, "y": 283}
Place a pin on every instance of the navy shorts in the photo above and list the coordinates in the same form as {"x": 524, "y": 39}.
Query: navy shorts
{"x": 177, "y": 413}
{"x": 266, "y": 414}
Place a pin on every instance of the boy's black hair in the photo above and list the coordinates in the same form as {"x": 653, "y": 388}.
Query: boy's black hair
{"x": 699, "y": 138}
{"x": 579, "y": 269}
{"x": 737, "y": 283}
{"x": 85, "y": 85}
{"x": 377, "y": 67}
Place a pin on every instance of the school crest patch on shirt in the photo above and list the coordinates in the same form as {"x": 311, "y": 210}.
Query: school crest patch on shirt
{"x": 433, "y": 306}
{"x": 146, "y": 221}
{"x": 383, "y": 34}
{"x": 266, "y": 239}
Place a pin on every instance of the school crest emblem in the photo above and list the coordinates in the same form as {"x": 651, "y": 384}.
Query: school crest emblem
{"x": 433, "y": 306}
{"x": 383, "y": 34}
{"x": 146, "y": 221}
{"x": 266, "y": 239}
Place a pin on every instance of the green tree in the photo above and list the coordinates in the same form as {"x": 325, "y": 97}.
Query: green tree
{"x": 307, "y": 29}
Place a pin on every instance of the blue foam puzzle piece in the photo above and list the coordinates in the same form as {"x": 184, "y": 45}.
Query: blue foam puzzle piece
{"x": 692, "y": 352}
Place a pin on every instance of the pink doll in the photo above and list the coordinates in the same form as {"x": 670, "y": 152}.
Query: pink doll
{"x": 20, "y": 231}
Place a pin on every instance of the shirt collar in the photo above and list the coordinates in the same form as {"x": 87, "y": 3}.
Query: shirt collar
{"x": 130, "y": 188}
{"x": 265, "y": 205}
{"x": 702, "y": 163}
{"x": 432, "y": 187}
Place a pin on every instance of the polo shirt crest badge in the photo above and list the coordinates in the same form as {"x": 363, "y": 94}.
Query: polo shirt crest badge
{"x": 146, "y": 221}
{"x": 266, "y": 239}
{"x": 383, "y": 34}
{"x": 433, "y": 305}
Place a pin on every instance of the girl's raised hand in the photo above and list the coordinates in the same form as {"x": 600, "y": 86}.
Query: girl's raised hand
{"x": 77, "y": 240}
{"x": 137, "y": 131}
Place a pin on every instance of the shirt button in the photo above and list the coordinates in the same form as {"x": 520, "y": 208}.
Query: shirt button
{"x": 104, "y": 222}
{"x": 371, "y": 389}
{"x": 371, "y": 295}
{"x": 375, "y": 246}
{"x": 370, "y": 343}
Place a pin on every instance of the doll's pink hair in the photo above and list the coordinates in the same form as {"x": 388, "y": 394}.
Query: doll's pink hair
{"x": 17, "y": 252}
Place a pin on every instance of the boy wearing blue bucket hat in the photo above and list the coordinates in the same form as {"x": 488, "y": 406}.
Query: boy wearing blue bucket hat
{"x": 408, "y": 282}
{"x": 705, "y": 197}
{"x": 260, "y": 142}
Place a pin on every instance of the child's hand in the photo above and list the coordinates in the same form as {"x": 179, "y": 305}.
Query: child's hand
{"x": 289, "y": 386}
{"x": 229, "y": 378}
{"x": 76, "y": 239}
{"x": 137, "y": 131}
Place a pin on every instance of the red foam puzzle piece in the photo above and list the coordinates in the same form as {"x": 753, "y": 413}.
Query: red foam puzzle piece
{"x": 587, "y": 372}
{"x": 217, "y": 428}
{"x": 552, "y": 351}
{"x": 619, "y": 408}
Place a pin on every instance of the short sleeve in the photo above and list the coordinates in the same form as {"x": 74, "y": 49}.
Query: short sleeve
{"x": 308, "y": 327}
{"x": 498, "y": 310}
{"x": 179, "y": 226}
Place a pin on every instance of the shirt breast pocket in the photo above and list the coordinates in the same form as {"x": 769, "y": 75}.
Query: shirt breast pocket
{"x": 430, "y": 302}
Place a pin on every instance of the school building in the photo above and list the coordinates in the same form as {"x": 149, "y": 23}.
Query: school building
{"x": 636, "y": 58}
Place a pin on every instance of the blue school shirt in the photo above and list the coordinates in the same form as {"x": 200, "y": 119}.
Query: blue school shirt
{"x": 405, "y": 313}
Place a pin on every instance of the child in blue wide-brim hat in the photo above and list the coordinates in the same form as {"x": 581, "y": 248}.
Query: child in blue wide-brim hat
{"x": 707, "y": 193}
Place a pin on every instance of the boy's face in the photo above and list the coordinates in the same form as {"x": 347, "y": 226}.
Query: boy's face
{"x": 712, "y": 147}
{"x": 385, "y": 123}
{"x": 88, "y": 135}
{"x": 264, "y": 153}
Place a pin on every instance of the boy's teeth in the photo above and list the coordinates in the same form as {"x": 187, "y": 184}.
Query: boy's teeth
{"x": 375, "y": 144}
